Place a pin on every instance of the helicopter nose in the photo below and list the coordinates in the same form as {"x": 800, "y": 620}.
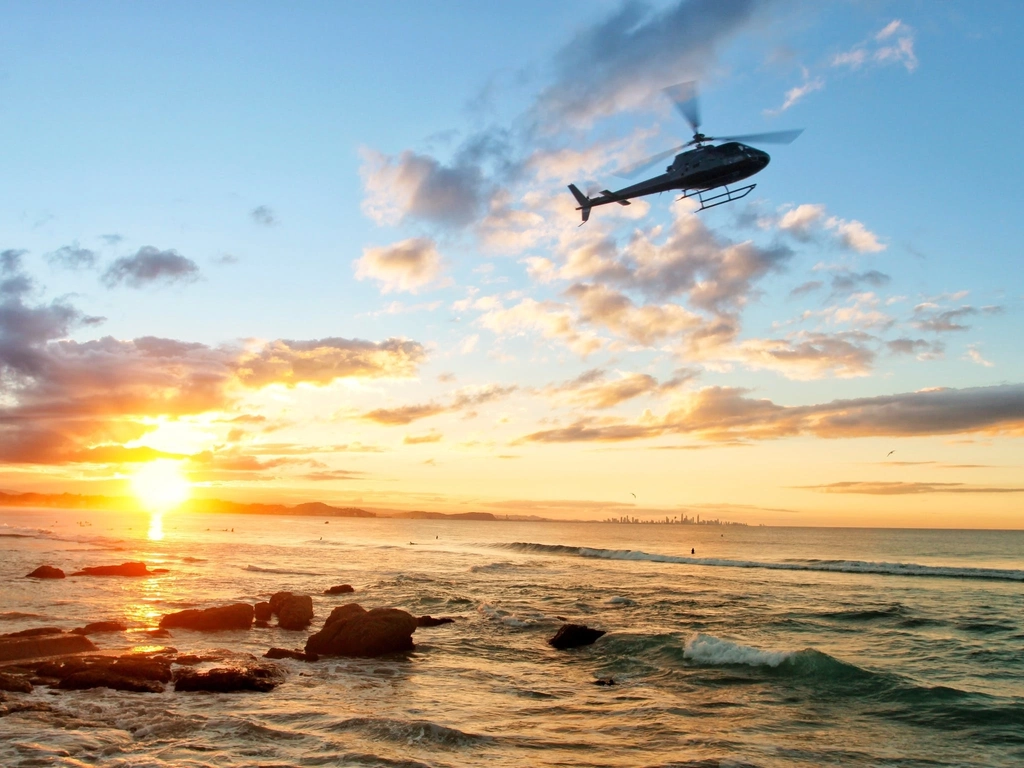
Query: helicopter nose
{"x": 762, "y": 158}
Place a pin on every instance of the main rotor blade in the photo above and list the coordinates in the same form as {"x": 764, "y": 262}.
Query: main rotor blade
{"x": 631, "y": 171}
{"x": 684, "y": 97}
{"x": 775, "y": 137}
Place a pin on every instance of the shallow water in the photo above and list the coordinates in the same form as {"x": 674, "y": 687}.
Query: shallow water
{"x": 767, "y": 647}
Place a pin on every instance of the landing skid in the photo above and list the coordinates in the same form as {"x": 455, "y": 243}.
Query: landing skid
{"x": 719, "y": 199}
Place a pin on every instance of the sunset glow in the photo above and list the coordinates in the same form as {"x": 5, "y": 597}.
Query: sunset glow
{"x": 160, "y": 486}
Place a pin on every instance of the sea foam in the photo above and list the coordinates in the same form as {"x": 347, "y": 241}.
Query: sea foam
{"x": 713, "y": 651}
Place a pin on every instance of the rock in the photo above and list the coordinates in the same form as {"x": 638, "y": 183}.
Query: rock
{"x": 295, "y": 612}
{"x": 277, "y": 599}
{"x": 97, "y": 627}
{"x": 351, "y": 630}
{"x": 143, "y": 669}
{"x": 157, "y": 634}
{"x": 574, "y": 635}
{"x": 31, "y": 706}
{"x": 285, "y": 653}
{"x": 430, "y": 621}
{"x": 46, "y": 572}
{"x": 236, "y": 616}
{"x": 125, "y": 569}
{"x": 36, "y": 632}
{"x": 228, "y": 679}
{"x": 262, "y": 611}
{"x": 47, "y": 645}
{"x": 339, "y": 589}
{"x": 14, "y": 684}
{"x": 604, "y": 681}
{"x": 107, "y": 677}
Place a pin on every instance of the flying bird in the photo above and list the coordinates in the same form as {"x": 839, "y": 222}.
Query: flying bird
{"x": 890, "y": 453}
{"x": 632, "y": 494}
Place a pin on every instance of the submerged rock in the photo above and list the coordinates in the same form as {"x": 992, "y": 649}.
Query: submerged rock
{"x": 108, "y": 677}
{"x": 262, "y": 611}
{"x": 157, "y": 634}
{"x": 295, "y": 612}
{"x": 351, "y": 630}
{"x": 236, "y": 616}
{"x": 229, "y": 679}
{"x": 604, "y": 681}
{"x": 125, "y": 569}
{"x": 574, "y": 635}
{"x": 430, "y": 621}
{"x": 286, "y": 653}
{"x": 12, "y": 648}
{"x": 46, "y": 572}
{"x": 14, "y": 683}
{"x": 35, "y": 632}
{"x": 339, "y": 589}
{"x": 97, "y": 627}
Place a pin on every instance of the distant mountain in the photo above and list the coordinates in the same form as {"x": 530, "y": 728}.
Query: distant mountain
{"x": 81, "y": 501}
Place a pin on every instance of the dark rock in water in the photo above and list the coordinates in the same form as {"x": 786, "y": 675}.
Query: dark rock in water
{"x": 46, "y": 572}
{"x": 339, "y": 589}
{"x": 351, "y": 630}
{"x": 13, "y": 648}
{"x": 277, "y": 599}
{"x": 236, "y": 616}
{"x": 35, "y": 632}
{"x": 125, "y": 569}
{"x": 143, "y": 669}
{"x": 262, "y": 611}
{"x": 285, "y": 653}
{"x": 574, "y": 635}
{"x": 228, "y": 679}
{"x": 430, "y": 621}
{"x": 106, "y": 677}
{"x": 157, "y": 634}
{"x": 604, "y": 681}
{"x": 295, "y": 612}
{"x": 100, "y": 626}
{"x": 24, "y": 706}
{"x": 14, "y": 683}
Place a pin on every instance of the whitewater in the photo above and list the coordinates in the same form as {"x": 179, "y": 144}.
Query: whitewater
{"x": 727, "y": 645}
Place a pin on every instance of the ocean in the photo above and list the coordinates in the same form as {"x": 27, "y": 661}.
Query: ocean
{"x": 766, "y": 647}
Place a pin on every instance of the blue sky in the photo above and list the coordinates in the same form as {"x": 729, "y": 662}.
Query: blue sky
{"x": 316, "y": 174}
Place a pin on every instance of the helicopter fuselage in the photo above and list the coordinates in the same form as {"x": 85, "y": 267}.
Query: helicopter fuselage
{"x": 703, "y": 168}
{"x": 699, "y": 169}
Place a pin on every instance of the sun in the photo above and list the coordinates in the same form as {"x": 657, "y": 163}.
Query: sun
{"x": 160, "y": 485}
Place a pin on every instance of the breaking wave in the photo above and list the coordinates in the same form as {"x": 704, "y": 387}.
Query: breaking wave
{"x": 838, "y": 566}
{"x": 285, "y": 571}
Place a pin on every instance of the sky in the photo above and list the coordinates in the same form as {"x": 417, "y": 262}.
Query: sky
{"x": 325, "y": 251}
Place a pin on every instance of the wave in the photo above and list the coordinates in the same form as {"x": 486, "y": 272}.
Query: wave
{"x": 835, "y": 566}
{"x": 409, "y": 732}
{"x": 16, "y": 615}
{"x": 15, "y": 532}
{"x": 285, "y": 571}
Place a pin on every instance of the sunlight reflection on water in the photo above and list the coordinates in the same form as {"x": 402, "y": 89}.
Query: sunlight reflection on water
{"x": 156, "y": 527}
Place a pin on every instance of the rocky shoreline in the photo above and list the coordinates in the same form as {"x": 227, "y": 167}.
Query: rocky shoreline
{"x": 69, "y": 660}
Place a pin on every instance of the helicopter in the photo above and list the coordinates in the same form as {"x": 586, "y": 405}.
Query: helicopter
{"x": 701, "y": 172}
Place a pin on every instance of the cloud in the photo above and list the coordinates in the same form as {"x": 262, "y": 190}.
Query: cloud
{"x": 799, "y": 221}
{"x": 893, "y": 44}
{"x": 846, "y": 281}
{"x": 420, "y": 187}
{"x": 462, "y": 400}
{"x": 796, "y": 94}
{"x": 263, "y": 214}
{"x": 551, "y": 319}
{"x": 904, "y": 488}
{"x": 975, "y": 356}
{"x": 804, "y": 288}
{"x": 727, "y": 414}
{"x": 803, "y": 222}
{"x": 623, "y": 60}
{"x": 854, "y": 235}
{"x": 924, "y": 350}
{"x": 87, "y": 401}
{"x": 72, "y": 257}
{"x": 151, "y": 266}
{"x": 405, "y": 266}
{"x": 322, "y": 361}
{"x": 810, "y": 355}
{"x": 646, "y": 324}
{"x": 429, "y": 437}
{"x": 608, "y": 394}
{"x": 113, "y": 239}
{"x": 930, "y": 317}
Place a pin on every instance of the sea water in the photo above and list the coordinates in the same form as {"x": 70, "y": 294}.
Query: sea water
{"x": 763, "y": 647}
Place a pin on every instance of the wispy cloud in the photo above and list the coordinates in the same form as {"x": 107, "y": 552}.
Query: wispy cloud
{"x": 263, "y": 215}
{"x": 882, "y": 488}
